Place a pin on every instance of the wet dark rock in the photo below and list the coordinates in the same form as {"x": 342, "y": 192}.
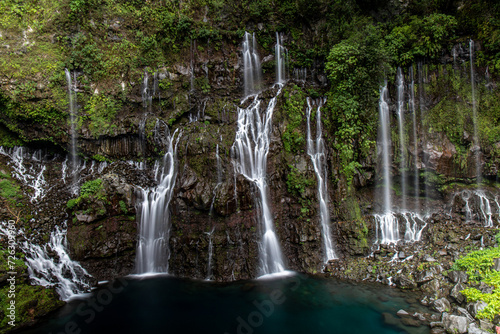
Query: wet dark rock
{"x": 442, "y": 305}
{"x": 456, "y": 294}
{"x": 458, "y": 276}
{"x": 465, "y": 313}
{"x": 411, "y": 322}
{"x": 474, "y": 308}
{"x": 455, "y": 324}
{"x": 486, "y": 325}
{"x": 424, "y": 276}
{"x": 474, "y": 329}
{"x": 405, "y": 282}
{"x": 437, "y": 330}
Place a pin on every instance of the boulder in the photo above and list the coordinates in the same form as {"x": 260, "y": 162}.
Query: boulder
{"x": 486, "y": 325}
{"x": 424, "y": 276}
{"x": 455, "y": 324}
{"x": 442, "y": 305}
{"x": 402, "y": 313}
{"x": 456, "y": 294}
{"x": 403, "y": 281}
{"x": 473, "y": 329}
{"x": 474, "y": 308}
{"x": 458, "y": 276}
{"x": 466, "y": 314}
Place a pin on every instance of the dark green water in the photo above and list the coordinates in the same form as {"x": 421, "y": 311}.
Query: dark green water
{"x": 295, "y": 304}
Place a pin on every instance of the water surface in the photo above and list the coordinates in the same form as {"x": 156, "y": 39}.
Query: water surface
{"x": 292, "y": 304}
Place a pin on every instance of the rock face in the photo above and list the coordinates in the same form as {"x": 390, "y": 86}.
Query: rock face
{"x": 455, "y": 324}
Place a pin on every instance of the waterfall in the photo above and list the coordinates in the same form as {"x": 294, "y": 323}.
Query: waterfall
{"x": 56, "y": 270}
{"x": 387, "y": 227}
{"x": 154, "y": 226}
{"x": 414, "y": 226}
{"x": 316, "y": 150}
{"x": 478, "y": 204}
{"x": 411, "y": 104}
{"x": 251, "y": 65}
{"x": 387, "y": 222}
{"x": 219, "y": 165}
{"x": 421, "y": 92}
{"x": 402, "y": 145}
{"x": 300, "y": 74}
{"x": 73, "y": 120}
{"x": 477, "y": 147}
{"x": 280, "y": 55}
{"x": 210, "y": 254}
{"x": 485, "y": 208}
{"x": 250, "y": 150}
{"x": 29, "y": 169}
{"x": 384, "y": 148}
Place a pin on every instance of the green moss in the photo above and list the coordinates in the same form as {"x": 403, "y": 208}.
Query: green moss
{"x": 297, "y": 183}
{"x": 293, "y": 138}
{"x": 9, "y": 191}
{"x": 32, "y": 302}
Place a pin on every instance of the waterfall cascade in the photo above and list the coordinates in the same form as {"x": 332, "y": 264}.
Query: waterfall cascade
{"x": 67, "y": 276}
{"x": 210, "y": 254}
{"x": 421, "y": 92}
{"x": 402, "y": 143}
{"x": 388, "y": 223}
{"x": 251, "y": 65}
{"x": 482, "y": 205}
{"x": 477, "y": 147}
{"x": 29, "y": 169}
{"x": 73, "y": 121}
{"x": 384, "y": 148}
{"x": 154, "y": 227}
{"x": 250, "y": 150}
{"x": 316, "y": 151}
{"x": 411, "y": 105}
{"x": 281, "y": 55}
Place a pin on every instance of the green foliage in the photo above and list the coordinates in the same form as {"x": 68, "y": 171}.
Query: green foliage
{"x": 355, "y": 67}
{"x": 478, "y": 264}
{"x": 92, "y": 188}
{"x": 421, "y": 37}
{"x": 72, "y": 203}
{"x": 101, "y": 111}
{"x": 9, "y": 191}
{"x": 123, "y": 207}
{"x": 99, "y": 157}
{"x": 293, "y": 137}
{"x": 296, "y": 182}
